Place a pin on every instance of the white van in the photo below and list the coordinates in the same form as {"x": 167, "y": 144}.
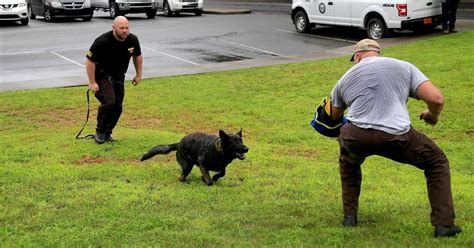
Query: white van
{"x": 378, "y": 17}
{"x": 55, "y": 9}
{"x": 123, "y": 7}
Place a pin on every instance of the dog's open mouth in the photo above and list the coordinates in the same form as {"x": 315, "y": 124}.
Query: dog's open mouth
{"x": 241, "y": 156}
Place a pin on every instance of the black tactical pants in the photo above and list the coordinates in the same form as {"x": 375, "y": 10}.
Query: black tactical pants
{"x": 449, "y": 9}
{"x": 110, "y": 95}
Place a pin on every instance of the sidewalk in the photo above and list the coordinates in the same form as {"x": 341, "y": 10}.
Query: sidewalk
{"x": 222, "y": 11}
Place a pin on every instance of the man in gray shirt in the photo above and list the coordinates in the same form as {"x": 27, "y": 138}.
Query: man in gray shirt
{"x": 376, "y": 90}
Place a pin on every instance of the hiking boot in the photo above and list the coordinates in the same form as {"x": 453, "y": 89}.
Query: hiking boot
{"x": 109, "y": 138}
{"x": 349, "y": 220}
{"x": 446, "y": 30}
{"x": 453, "y": 30}
{"x": 99, "y": 138}
{"x": 447, "y": 231}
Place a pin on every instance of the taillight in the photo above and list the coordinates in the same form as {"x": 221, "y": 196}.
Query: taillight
{"x": 402, "y": 9}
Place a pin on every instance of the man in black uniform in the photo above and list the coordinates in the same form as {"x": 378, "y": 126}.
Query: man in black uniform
{"x": 449, "y": 9}
{"x": 106, "y": 64}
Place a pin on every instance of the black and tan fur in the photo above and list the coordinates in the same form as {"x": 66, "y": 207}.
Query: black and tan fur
{"x": 208, "y": 152}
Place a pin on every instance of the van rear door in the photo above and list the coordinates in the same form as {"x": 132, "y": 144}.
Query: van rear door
{"x": 423, "y": 8}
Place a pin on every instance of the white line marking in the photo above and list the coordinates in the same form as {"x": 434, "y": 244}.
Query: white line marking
{"x": 71, "y": 48}
{"x": 319, "y": 36}
{"x": 19, "y": 53}
{"x": 70, "y": 60}
{"x": 258, "y": 49}
{"x": 169, "y": 55}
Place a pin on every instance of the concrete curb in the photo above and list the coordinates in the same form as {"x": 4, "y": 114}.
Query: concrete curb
{"x": 227, "y": 11}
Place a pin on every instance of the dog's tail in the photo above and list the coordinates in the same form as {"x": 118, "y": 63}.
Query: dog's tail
{"x": 160, "y": 149}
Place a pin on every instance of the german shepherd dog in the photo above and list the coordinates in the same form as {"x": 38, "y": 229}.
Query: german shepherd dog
{"x": 208, "y": 152}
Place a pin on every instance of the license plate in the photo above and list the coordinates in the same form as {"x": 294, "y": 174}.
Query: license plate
{"x": 427, "y": 21}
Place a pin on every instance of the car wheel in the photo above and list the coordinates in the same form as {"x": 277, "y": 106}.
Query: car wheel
{"x": 25, "y": 21}
{"x": 30, "y": 13}
{"x": 47, "y": 15}
{"x": 301, "y": 22}
{"x": 151, "y": 14}
{"x": 376, "y": 29}
{"x": 114, "y": 10}
{"x": 89, "y": 18}
{"x": 166, "y": 9}
{"x": 198, "y": 12}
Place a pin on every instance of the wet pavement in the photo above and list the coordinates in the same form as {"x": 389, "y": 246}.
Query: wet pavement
{"x": 52, "y": 54}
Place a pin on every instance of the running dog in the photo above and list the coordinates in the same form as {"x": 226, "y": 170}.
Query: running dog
{"x": 208, "y": 152}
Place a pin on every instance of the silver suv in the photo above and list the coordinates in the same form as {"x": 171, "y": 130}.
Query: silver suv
{"x": 14, "y": 10}
{"x": 172, "y": 7}
{"x": 123, "y": 7}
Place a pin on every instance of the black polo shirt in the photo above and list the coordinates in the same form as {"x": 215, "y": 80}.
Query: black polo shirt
{"x": 112, "y": 56}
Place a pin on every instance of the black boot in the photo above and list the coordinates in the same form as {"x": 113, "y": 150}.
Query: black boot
{"x": 349, "y": 220}
{"x": 447, "y": 231}
{"x": 99, "y": 138}
{"x": 108, "y": 138}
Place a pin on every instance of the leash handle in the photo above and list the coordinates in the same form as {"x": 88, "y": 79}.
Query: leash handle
{"x": 87, "y": 118}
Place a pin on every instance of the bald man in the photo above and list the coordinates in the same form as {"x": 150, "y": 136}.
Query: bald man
{"x": 106, "y": 64}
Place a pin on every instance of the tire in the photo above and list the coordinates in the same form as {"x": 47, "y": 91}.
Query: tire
{"x": 301, "y": 22}
{"x": 151, "y": 14}
{"x": 166, "y": 9}
{"x": 198, "y": 12}
{"x": 376, "y": 29}
{"x": 30, "y": 13}
{"x": 89, "y": 18}
{"x": 25, "y": 21}
{"x": 114, "y": 10}
{"x": 47, "y": 15}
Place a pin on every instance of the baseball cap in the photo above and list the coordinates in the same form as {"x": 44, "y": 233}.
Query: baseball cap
{"x": 366, "y": 45}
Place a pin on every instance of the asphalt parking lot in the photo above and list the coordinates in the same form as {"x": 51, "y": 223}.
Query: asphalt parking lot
{"x": 52, "y": 54}
{"x": 45, "y": 54}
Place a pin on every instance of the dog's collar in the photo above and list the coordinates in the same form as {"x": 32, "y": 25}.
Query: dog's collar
{"x": 218, "y": 145}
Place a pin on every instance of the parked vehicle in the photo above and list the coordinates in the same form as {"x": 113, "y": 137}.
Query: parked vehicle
{"x": 174, "y": 7}
{"x": 123, "y": 7}
{"x": 14, "y": 10}
{"x": 54, "y": 9}
{"x": 378, "y": 17}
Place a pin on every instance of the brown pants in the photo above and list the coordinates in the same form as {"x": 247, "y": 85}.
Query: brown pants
{"x": 412, "y": 148}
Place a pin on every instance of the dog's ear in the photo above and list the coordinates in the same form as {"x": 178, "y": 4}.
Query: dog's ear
{"x": 239, "y": 133}
{"x": 223, "y": 135}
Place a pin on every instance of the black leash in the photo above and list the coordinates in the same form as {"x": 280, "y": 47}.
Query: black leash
{"x": 89, "y": 136}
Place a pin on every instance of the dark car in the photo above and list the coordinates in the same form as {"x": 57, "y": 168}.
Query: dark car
{"x": 54, "y": 9}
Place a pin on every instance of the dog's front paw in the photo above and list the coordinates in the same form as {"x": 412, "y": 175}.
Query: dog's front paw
{"x": 208, "y": 183}
{"x": 183, "y": 180}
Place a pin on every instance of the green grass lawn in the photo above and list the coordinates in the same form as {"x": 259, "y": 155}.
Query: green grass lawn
{"x": 58, "y": 191}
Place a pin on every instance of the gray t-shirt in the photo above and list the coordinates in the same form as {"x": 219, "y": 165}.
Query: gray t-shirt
{"x": 376, "y": 91}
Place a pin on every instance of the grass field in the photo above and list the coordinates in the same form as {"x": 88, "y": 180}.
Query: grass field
{"x": 58, "y": 191}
